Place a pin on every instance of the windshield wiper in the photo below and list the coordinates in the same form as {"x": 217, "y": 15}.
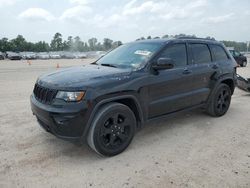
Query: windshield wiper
{"x": 108, "y": 65}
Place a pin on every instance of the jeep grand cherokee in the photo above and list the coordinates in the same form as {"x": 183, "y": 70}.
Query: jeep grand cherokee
{"x": 106, "y": 102}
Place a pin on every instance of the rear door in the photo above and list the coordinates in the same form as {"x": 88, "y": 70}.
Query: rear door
{"x": 171, "y": 90}
{"x": 203, "y": 70}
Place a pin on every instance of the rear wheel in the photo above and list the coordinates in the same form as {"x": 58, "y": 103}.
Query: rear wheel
{"x": 112, "y": 129}
{"x": 220, "y": 101}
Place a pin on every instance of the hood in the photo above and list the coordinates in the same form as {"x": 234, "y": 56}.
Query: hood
{"x": 79, "y": 76}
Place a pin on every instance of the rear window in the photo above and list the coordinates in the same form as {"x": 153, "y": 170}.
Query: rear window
{"x": 201, "y": 53}
{"x": 218, "y": 53}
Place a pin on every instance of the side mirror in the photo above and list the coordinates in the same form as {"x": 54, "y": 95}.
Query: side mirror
{"x": 163, "y": 63}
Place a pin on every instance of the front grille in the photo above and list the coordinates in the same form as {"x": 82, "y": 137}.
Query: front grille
{"x": 44, "y": 95}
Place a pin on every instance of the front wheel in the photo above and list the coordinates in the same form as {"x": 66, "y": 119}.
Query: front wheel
{"x": 112, "y": 129}
{"x": 220, "y": 101}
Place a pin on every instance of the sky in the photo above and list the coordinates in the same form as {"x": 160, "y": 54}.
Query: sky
{"x": 124, "y": 20}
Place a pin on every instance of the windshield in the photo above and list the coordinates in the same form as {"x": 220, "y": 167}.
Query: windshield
{"x": 131, "y": 55}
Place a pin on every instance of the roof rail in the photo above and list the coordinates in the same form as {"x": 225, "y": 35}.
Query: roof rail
{"x": 195, "y": 38}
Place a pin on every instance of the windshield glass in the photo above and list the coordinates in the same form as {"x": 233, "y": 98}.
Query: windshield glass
{"x": 131, "y": 55}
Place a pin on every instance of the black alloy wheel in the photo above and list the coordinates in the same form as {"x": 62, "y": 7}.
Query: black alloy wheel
{"x": 223, "y": 101}
{"x": 220, "y": 101}
{"x": 112, "y": 130}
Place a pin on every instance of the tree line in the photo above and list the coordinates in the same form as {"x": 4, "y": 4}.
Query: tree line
{"x": 57, "y": 43}
{"x": 20, "y": 44}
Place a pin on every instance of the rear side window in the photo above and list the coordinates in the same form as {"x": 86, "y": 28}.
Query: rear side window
{"x": 177, "y": 52}
{"x": 201, "y": 53}
{"x": 218, "y": 53}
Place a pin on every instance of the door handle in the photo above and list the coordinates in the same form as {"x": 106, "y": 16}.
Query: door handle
{"x": 187, "y": 71}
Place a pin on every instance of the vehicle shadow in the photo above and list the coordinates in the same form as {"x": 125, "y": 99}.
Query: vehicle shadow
{"x": 146, "y": 134}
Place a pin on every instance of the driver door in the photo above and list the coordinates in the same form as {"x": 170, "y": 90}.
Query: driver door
{"x": 171, "y": 90}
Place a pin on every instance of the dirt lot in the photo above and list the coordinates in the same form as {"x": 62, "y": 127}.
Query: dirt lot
{"x": 189, "y": 150}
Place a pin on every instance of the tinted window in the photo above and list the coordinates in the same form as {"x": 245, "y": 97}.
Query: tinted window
{"x": 201, "y": 53}
{"x": 177, "y": 52}
{"x": 219, "y": 53}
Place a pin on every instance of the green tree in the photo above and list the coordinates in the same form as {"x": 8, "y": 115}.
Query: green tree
{"x": 116, "y": 44}
{"x": 85, "y": 47}
{"x": 107, "y": 44}
{"x": 41, "y": 46}
{"x": 19, "y": 43}
{"x": 165, "y": 36}
{"x": 239, "y": 46}
{"x": 77, "y": 43}
{"x": 142, "y": 38}
{"x": 92, "y": 43}
{"x": 69, "y": 44}
{"x": 56, "y": 43}
{"x": 5, "y": 45}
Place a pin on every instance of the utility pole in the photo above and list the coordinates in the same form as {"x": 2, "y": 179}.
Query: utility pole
{"x": 248, "y": 43}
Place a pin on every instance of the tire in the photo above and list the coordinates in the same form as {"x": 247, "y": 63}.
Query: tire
{"x": 220, "y": 101}
{"x": 112, "y": 129}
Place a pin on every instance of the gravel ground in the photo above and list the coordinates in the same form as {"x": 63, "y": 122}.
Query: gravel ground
{"x": 188, "y": 150}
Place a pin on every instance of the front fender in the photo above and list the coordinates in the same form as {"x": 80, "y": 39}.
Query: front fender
{"x": 107, "y": 99}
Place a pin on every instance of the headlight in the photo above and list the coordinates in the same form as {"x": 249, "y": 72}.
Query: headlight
{"x": 70, "y": 96}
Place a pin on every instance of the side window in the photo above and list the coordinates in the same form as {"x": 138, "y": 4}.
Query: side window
{"x": 177, "y": 52}
{"x": 201, "y": 53}
{"x": 219, "y": 53}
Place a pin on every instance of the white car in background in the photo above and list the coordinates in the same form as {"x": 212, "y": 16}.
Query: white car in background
{"x": 80, "y": 55}
{"x": 43, "y": 55}
{"x": 54, "y": 55}
{"x": 28, "y": 55}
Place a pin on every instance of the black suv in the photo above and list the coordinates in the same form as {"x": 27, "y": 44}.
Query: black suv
{"x": 239, "y": 58}
{"x": 106, "y": 102}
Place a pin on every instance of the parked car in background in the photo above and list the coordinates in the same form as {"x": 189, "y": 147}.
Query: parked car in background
{"x": 54, "y": 55}
{"x": 100, "y": 53}
{"x": 92, "y": 54}
{"x": 239, "y": 58}
{"x": 80, "y": 55}
{"x": 43, "y": 55}
{"x": 67, "y": 55}
{"x": 1, "y": 56}
{"x": 13, "y": 56}
{"x": 31, "y": 55}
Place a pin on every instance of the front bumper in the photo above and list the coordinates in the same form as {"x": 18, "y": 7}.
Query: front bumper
{"x": 64, "y": 121}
